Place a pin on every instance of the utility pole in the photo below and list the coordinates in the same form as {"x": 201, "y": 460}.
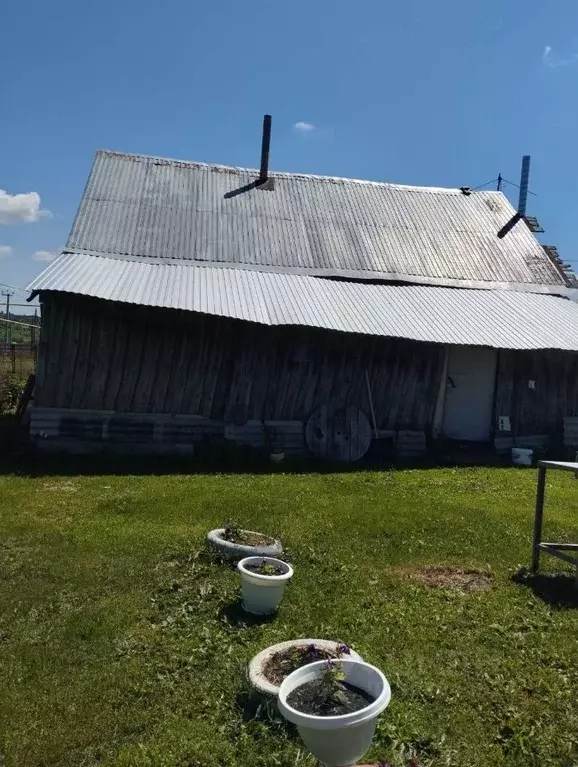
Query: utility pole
{"x": 8, "y": 336}
{"x": 34, "y": 339}
{"x": 499, "y": 189}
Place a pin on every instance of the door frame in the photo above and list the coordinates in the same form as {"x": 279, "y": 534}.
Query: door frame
{"x": 440, "y": 406}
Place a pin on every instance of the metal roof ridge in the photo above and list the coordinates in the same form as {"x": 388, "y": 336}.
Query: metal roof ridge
{"x": 193, "y": 164}
{"x": 342, "y": 275}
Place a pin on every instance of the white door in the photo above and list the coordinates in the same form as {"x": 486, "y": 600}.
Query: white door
{"x": 469, "y": 393}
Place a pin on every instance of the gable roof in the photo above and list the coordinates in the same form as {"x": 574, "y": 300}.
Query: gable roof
{"x": 151, "y": 208}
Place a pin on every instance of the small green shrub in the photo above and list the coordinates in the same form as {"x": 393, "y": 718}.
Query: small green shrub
{"x": 11, "y": 388}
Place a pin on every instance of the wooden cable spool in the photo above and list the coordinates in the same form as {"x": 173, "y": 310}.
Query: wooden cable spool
{"x": 338, "y": 433}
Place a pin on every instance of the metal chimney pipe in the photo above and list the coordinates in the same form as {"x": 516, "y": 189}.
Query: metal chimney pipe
{"x": 264, "y": 172}
{"x": 524, "y": 179}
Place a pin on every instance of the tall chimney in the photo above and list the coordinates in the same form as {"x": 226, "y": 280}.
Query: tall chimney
{"x": 524, "y": 179}
{"x": 264, "y": 172}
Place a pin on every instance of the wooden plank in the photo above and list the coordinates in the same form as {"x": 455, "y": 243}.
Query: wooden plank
{"x": 279, "y": 409}
{"x": 69, "y": 341}
{"x": 148, "y": 370}
{"x": 263, "y": 361}
{"x": 306, "y": 401}
{"x": 131, "y": 368}
{"x": 165, "y": 371}
{"x": 83, "y": 359}
{"x": 151, "y": 363}
{"x": 270, "y": 409}
{"x": 58, "y": 317}
{"x": 217, "y": 383}
{"x": 178, "y": 373}
{"x": 103, "y": 361}
{"x": 295, "y": 376}
{"x": 117, "y": 364}
{"x": 202, "y": 362}
{"x": 242, "y": 366}
{"x": 193, "y": 368}
{"x": 43, "y": 346}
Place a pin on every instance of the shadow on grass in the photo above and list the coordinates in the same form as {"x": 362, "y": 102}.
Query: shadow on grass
{"x": 36, "y": 464}
{"x": 559, "y": 590}
{"x": 235, "y": 615}
{"x": 253, "y": 705}
{"x": 30, "y": 463}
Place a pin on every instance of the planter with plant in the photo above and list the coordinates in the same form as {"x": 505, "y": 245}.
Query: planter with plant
{"x": 335, "y": 705}
{"x": 263, "y": 581}
{"x": 232, "y": 542}
{"x": 271, "y": 666}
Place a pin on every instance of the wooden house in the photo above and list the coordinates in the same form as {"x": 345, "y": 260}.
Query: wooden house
{"x": 200, "y": 306}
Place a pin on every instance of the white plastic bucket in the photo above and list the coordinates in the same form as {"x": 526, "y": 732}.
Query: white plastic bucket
{"x": 338, "y": 741}
{"x": 262, "y": 593}
{"x": 522, "y": 456}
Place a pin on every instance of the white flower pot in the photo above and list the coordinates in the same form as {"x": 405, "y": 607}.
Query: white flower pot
{"x": 262, "y": 593}
{"x": 257, "y": 665}
{"x": 230, "y": 550}
{"x": 338, "y": 741}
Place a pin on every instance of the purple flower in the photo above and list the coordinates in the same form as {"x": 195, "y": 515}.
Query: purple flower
{"x": 383, "y": 764}
{"x": 343, "y": 649}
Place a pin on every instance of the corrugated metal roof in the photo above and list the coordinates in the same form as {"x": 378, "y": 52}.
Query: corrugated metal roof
{"x": 501, "y": 319}
{"x": 156, "y": 208}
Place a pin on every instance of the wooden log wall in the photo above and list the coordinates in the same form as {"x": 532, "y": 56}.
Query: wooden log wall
{"x": 541, "y": 407}
{"x": 99, "y": 355}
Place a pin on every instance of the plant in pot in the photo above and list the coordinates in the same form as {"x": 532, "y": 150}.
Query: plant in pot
{"x": 233, "y": 542}
{"x": 271, "y": 666}
{"x": 263, "y": 581}
{"x": 335, "y": 705}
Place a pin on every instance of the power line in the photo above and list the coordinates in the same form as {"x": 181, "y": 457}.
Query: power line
{"x": 481, "y": 186}
{"x": 23, "y": 324}
{"x": 8, "y": 294}
{"x": 517, "y": 187}
{"x": 14, "y": 287}
{"x": 499, "y": 180}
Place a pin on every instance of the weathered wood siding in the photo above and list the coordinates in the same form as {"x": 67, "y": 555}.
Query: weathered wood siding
{"x": 98, "y": 355}
{"x": 541, "y": 409}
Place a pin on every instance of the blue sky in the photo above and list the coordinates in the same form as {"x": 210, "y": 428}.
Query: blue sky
{"x": 444, "y": 94}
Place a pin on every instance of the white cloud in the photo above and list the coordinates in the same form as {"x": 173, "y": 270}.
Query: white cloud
{"x": 44, "y": 255}
{"x": 5, "y": 251}
{"x": 553, "y": 61}
{"x": 304, "y": 127}
{"x": 19, "y": 208}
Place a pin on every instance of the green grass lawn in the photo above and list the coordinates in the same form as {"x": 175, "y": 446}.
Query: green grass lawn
{"x": 121, "y": 642}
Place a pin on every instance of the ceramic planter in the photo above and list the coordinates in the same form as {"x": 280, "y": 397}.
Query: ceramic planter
{"x": 257, "y": 665}
{"x": 262, "y": 593}
{"x": 237, "y": 551}
{"x": 338, "y": 741}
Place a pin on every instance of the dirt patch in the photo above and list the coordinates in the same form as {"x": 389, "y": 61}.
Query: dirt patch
{"x": 457, "y": 578}
{"x": 320, "y": 699}
{"x": 266, "y": 568}
{"x": 283, "y": 663}
{"x": 245, "y": 537}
